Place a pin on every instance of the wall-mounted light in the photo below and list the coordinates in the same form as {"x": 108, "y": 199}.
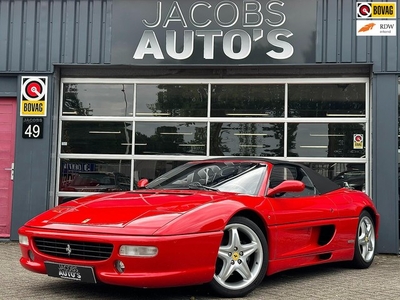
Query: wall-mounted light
{"x": 104, "y": 132}
{"x": 324, "y": 134}
{"x": 314, "y": 147}
{"x": 247, "y": 115}
{"x": 253, "y": 134}
{"x": 251, "y": 146}
{"x": 345, "y": 115}
{"x": 192, "y": 145}
{"x": 152, "y": 114}
{"x": 176, "y": 133}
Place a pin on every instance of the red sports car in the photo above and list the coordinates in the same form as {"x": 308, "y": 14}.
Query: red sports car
{"x": 226, "y": 222}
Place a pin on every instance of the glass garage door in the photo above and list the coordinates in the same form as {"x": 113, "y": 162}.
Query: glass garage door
{"x": 115, "y": 132}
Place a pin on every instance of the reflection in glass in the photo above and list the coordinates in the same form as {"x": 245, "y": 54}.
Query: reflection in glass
{"x": 350, "y": 175}
{"x": 171, "y": 100}
{"x": 96, "y": 137}
{"x": 150, "y": 169}
{"x": 90, "y": 175}
{"x": 170, "y": 138}
{"x": 327, "y": 140}
{"x": 246, "y": 139}
{"x": 97, "y": 99}
{"x": 327, "y": 100}
{"x": 247, "y": 100}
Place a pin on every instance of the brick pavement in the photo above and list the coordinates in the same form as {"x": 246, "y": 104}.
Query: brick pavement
{"x": 334, "y": 281}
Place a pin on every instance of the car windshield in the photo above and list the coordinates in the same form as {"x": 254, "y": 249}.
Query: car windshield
{"x": 237, "y": 177}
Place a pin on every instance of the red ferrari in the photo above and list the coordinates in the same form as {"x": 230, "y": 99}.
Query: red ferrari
{"x": 226, "y": 222}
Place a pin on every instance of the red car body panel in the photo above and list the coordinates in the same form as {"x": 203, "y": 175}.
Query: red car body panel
{"x": 187, "y": 228}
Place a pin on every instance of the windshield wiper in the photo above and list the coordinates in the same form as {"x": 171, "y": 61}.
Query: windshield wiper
{"x": 199, "y": 186}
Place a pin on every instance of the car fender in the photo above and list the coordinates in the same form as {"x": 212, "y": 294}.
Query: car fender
{"x": 352, "y": 202}
{"x": 209, "y": 217}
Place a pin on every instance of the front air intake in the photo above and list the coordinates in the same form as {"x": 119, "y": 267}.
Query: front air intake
{"x": 77, "y": 250}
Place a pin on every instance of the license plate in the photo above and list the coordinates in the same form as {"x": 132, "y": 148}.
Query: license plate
{"x": 70, "y": 272}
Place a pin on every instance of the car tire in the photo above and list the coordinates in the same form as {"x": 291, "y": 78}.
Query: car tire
{"x": 364, "y": 251}
{"x": 242, "y": 259}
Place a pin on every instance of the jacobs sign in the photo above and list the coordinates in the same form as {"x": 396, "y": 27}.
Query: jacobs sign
{"x": 214, "y": 32}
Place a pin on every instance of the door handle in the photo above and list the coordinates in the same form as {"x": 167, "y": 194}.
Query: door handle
{"x": 12, "y": 171}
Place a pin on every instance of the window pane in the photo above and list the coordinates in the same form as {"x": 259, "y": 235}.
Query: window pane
{"x": 96, "y": 137}
{"x": 248, "y": 139}
{"x": 281, "y": 173}
{"x": 350, "y": 175}
{"x": 326, "y": 139}
{"x": 170, "y": 138}
{"x": 88, "y": 99}
{"x": 170, "y": 100}
{"x": 150, "y": 169}
{"x": 247, "y": 100}
{"x": 327, "y": 100}
{"x": 86, "y": 175}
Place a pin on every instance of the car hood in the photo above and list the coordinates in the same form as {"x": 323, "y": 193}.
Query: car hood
{"x": 143, "y": 211}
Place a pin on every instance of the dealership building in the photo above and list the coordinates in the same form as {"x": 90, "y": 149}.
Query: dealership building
{"x": 128, "y": 89}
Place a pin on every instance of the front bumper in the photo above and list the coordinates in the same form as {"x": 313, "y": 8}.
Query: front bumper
{"x": 181, "y": 260}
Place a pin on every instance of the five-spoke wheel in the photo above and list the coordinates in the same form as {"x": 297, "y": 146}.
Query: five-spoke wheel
{"x": 242, "y": 259}
{"x": 365, "y": 242}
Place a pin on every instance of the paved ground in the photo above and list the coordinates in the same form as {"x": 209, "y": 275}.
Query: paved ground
{"x": 335, "y": 281}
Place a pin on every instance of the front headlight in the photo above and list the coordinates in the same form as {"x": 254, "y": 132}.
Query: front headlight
{"x": 23, "y": 240}
{"x": 138, "y": 251}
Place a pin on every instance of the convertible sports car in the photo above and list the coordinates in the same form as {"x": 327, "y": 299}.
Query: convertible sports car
{"x": 226, "y": 222}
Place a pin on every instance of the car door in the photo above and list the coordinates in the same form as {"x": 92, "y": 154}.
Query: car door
{"x": 299, "y": 218}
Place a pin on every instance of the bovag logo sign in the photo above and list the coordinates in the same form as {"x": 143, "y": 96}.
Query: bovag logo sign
{"x": 376, "y": 10}
{"x": 33, "y": 96}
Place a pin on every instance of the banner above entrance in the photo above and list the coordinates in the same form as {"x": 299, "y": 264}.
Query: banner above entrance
{"x": 148, "y": 32}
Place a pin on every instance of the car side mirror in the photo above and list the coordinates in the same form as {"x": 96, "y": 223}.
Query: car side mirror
{"x": 142, "y": 183}
{"x": 287, "y": 186}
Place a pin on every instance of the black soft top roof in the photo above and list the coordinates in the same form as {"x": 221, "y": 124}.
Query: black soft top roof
{"x": 323, "y": 184}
